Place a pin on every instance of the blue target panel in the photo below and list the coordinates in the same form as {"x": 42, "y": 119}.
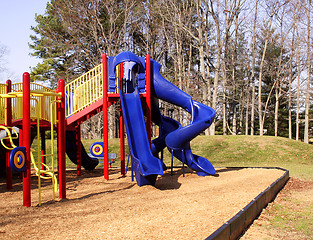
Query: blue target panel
{"x": 96, "y": 149}
{"x": 18, "y": 159}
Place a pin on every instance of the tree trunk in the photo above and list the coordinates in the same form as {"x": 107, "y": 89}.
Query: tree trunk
{"x": 189, "y": 70}
{"x": 247, "y": 116}
{"x": 308, "y": 87}
{"x": 252, "y": 108}
{"x": 279, "y": 70}
{"x": 208, "y": 102}
{"x": 234, "y": 130}
{"x": 276, "y": 110}
{"x": 111, "y": 121}
{"x": 224, "y": 100}
{"x": 298, "y": 86}
{"x": 215, "y": 85}
{"x": 261, "y": 119}
{"x": 252, "y": 79}
{"x": 289, "y": 84}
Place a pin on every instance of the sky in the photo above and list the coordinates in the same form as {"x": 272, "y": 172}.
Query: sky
{"x": 16, "y": 19}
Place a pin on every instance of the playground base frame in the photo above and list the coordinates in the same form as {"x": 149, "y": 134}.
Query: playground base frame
{"x": 238, "y": 224}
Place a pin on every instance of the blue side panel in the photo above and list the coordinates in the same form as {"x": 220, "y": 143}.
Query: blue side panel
{"x": 112, "y": 76}
{"x": 142, "y": 76}
{"x": 69, "y": 103}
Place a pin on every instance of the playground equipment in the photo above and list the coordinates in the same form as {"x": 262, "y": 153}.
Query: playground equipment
{"x": 134, "y": 81}
{"x": 32, "y": 109}
{"x": 131, "y": 78}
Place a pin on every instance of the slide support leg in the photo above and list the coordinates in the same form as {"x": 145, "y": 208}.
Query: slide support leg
{"x": 172, "y": 162}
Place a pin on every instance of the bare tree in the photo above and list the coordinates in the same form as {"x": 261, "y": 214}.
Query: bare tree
{"x": 299, "y": 70}
{"x": 308, "y": 72}
{"x": 230, "y": 10}
{"x": 252, "y": 78}
{"x": 278, "y": 85}
{"x": 3, "y": 52}
{"x": 290, "y": 73}
{"x": 268, "y": 32}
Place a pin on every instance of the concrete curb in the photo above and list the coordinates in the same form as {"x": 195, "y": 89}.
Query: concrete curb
{"x": 234, "y": 227}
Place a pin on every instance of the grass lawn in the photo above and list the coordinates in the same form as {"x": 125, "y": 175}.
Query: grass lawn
{"x": 256, "y": 151}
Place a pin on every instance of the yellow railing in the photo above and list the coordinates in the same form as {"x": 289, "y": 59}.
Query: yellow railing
{"x": 43, "y": 95}
{"x": 83, "y": 91}
{"x": 2, "y": 103}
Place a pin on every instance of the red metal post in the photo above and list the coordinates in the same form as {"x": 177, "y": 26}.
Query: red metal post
{"x": 122, "y": 148}
{"x": 79, "y": 150}
{"x": 148, "y": 96}
{"x": 9, "y": 123}
{"x": 61, "y": 140}
{"x": 105, "y": 116}
{"x": 26, "y": 139}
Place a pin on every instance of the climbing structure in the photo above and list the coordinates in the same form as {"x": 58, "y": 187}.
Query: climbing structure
{"x": 27, "y": 111}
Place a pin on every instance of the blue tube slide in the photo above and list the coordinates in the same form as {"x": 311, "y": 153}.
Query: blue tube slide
{"x": 71, "y": 150}
{"x": 172, "y": 135}
{"x": 178, "y": 140}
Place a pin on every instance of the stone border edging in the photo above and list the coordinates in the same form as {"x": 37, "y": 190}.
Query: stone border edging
{"x": 234, "y": 227}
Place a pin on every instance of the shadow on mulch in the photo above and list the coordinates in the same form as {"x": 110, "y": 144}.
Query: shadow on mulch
{"x": 71, "y": 176}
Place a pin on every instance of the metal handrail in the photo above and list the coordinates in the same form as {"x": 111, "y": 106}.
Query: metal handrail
{"x": 83, "y": 91}
{"x": 43, "y": 95}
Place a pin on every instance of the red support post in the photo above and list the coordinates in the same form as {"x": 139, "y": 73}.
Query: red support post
{"x": 105, "y": 116}
{"x": 26, "y": 139}
{"x": 8, "y": 123}
{"x": 79, "y": 150}
{"x": 122, "y": 145}
{"x": 148, "y": 96}
{"x": 61, "y": 140}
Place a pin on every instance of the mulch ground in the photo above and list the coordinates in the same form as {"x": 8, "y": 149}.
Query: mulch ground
{"x": 178, "y": 207}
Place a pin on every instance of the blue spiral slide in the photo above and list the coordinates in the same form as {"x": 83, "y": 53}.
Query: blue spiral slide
{"x": 172, "y": 135}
